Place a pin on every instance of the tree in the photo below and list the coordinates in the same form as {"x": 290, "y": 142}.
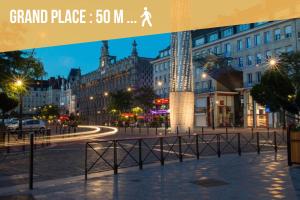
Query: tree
{"x": 144, "y": 97}
{"x": 280, "y": 85}
{"x": 7, "y": 103}
{"x": 18, "y": 64}
{"x": 48, "y": 112}
{"x": 120, "y": 101}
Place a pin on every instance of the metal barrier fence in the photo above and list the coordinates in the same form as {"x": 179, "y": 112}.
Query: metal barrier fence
{"x": 104, "y": 155}
{"x": 18, "y": 141}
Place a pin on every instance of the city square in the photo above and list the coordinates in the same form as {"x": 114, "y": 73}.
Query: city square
{"x": 213, "y": 115}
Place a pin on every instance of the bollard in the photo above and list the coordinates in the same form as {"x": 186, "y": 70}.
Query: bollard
{"x": 85, "y": 162}
{"x": 257, "y": 142}
{"x": 115, "y": 158}
{"x": 219, "y": 146}
{"x": 275, "y": 142}
{"x": 268, "y": 129}
{"x": 140, "y": 154}
{"x": 226, "y": 133}
{"x": 180, "y": 150}
{"x": 165, "y": 130}
{"x": 161, "y": 151}
{"x": 197, "y": 146}
{"x": 31, "y": 161}
{"x": 155, "y": 130}
{"x": 8, "y": 139}
{"x": 239, "y": 144}
{"x": 177, "y": 132}
{"x": 189, "y": 132}
{"x": 140, "y": 129}
{"x": 202, "y": 129}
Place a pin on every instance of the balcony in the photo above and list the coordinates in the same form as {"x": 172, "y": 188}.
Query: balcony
{"x": 250, "y": 84}
{"x": 205, "y": 90}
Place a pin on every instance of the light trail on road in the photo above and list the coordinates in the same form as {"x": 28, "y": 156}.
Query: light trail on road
{"x": 71, "y": 137}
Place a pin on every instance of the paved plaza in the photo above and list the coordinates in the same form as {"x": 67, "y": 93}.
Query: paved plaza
{"x": 251, "y": 176}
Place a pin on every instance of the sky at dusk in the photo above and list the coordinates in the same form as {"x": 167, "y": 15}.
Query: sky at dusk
{"x": 59, "y": 60}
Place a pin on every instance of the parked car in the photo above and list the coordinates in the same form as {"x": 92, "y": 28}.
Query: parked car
{"x": 28, "y": 124}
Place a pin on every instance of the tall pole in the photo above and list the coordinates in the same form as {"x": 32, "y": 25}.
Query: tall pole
{"x": 20, "y": 133}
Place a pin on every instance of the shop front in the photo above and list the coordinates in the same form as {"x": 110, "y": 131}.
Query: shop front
{"x": 215, "y": 109}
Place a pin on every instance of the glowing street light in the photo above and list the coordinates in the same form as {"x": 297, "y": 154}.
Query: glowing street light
{"x": 91, "y": 98}
{"x": 106, "y": 94}
{"x": 159, "y": 83}
{"x": 204, "y": 75}
{"x": 19, "y": 83}
{"x": 272, "y": 62}
{"x": 129, "y": 89}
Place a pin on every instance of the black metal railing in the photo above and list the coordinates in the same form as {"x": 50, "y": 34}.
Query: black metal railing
{"x": 103, "y": 155}
{"x": 18, "y": 141}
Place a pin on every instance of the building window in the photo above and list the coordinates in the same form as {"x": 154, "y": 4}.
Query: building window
{"x": 166, "y": 65}
{"x": 209, "y": 51}
{"x": 258, "y": 77}
{"x": 217, "y": 50}
{"x": 249, "y": 60}
{"x": 289, "y": 49}
{"x": 213, "y": 37}
{"x": 248, "y": 42}
{"x": 279, "y": 51}
{"x": 288, "y": 31}
{"x": 241, "y": 62}
{"x": 227, "y": 32}
{"x": 199, "y": 41}
{"x": 268, "y": 54}
{"x": 277, "y": 34}
{"x": 259, "y": 24}
{"x": 243, "y": 27}
{"x": 227, "y": 49}
{"x": 267, "y": 37}
{"x": 249, "y": 78}
{"x": 239, "y": 45}
{"x": 258, "y": 58}
{"x": 257, "y": 40}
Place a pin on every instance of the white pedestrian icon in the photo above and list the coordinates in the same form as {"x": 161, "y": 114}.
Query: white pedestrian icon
{"x": 147, "y": 16}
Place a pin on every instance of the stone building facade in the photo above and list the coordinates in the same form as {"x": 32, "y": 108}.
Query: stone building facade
{"x": 129, "y": 73}
{"x": 249, "y": 47}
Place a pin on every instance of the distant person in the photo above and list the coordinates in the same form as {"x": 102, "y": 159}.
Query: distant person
{"x": 147, "y": 16}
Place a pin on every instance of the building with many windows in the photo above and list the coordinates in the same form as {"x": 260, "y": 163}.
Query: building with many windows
{"x": 54, "y": 91}
{"x": 129, "y": 73}
{"x": 223, "y": 96}
{"x": 161, "y": 73}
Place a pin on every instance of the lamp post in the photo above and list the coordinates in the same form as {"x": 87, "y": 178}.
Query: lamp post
{"x": 19, "y": 86}
{"x": 91, "y": 98}
{"x": 105, "y": 103}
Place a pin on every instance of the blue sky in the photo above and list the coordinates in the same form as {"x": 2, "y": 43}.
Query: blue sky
{"x": 59, "y": 60}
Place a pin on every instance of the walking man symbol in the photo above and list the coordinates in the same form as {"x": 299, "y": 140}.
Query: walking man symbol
{"x": 147, "y": 16}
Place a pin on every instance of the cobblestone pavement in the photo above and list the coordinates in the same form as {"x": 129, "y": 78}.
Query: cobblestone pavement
{"x": 251, "y": 176}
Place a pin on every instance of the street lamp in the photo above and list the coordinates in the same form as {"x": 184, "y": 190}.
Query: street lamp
{"x": 272, "y": 62}
{"x": 106, "y": 94}
{"x": 91, "y": 98}
{"x": 129, "y": 89}
{"x": 19, "y": 86}
{"x": 204, "y": 75}
{"x": 159, "y": 83}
